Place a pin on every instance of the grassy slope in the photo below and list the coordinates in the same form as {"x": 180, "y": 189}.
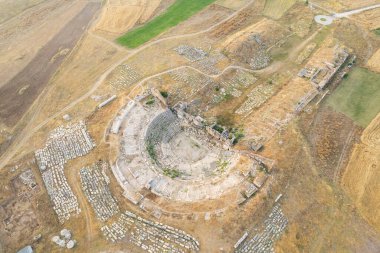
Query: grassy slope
{"x": 358, "y": 96}
{"x": 176, "y": 13}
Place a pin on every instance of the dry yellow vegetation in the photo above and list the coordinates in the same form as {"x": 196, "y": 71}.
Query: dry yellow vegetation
{"x": 11, "y": 8}
{"x": 374, "y": 61}
{"x": 361, "y": 179}
{"x": 232, "y": 4}
{"x": 344, "y": 5}
{"x": 266, "y": 28}
{"x": 276, "y": 8}
{"x": 121, "y": 15}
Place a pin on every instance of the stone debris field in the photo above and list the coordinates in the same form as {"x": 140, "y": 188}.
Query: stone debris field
{"x": 64, "y": 239}
{"x": 191, "y": 53}
{"x": 263, "y": 242}
{"x": 126, "y": 77}
{"x": 95, "y": 186}
{"x": 151, "y": 236}
{"x": 233, "y": 86}
{"x": 63, "y": 144}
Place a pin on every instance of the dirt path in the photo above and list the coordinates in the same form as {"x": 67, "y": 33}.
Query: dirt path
{"x": 25, "y": 135}
{"x": 111, "y": 43}
{"x": 343, "y": 154}
{"x": 28, "y": 131}
{"x": 72, "y": 176}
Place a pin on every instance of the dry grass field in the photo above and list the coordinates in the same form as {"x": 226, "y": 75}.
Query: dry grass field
{"x": 120, "y": 16}
{"x": 342, "y": 5}
{"x": 232, "y": 4}
{"x": 361, "y": 178}
{"x": 276, "y": 8}
{"x": 10, "y": 9}
{"x": 374, "y": 62}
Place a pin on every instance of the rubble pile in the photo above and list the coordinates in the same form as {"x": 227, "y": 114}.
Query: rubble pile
{"x": 63, "y": 198}
{"x": 261, "y": 58}
{"x": 95, "y": 186}
{"x": 64, "y": 240}
{"x": 256, "y": 98}
{"x": 209, "y": 64}
{"x": 27, "y": 178}
{"x": 191, "y": 53}
{"x": 263, "y": 242}
{"x": 194, "y": 80}
{"x": 233, "y": 86}
{"x": 150, "y": 236}
{"x": 126, "y": 78}
{"x": 63, "y": 144}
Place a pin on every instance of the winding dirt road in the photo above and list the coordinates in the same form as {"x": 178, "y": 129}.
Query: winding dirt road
{"x": 29, "y": 130}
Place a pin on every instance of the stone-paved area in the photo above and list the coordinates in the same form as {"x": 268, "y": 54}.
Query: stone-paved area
{"x": 263, "y": 242}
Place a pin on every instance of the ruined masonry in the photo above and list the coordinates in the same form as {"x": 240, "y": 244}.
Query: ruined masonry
{"x": 63, "y": 144}
{"x": 95, "y": 186}
{"x": 150, "y": 236}
{"x": 263, "y": 242}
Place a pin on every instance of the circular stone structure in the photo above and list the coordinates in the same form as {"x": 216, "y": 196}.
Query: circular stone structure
{"x": 70, "y": 244}
{"x": 323, "y": 19}
{"x": 174, "y": 157}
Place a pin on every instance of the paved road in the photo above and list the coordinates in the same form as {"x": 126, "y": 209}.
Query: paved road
{"x": 345, "y": 14}
{"x": 349, "y": 13}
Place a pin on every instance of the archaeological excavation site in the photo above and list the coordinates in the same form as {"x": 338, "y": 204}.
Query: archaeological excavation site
{"x": 184, "y": 126}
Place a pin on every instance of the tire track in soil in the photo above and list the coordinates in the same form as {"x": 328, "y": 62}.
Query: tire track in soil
{"x": 18, "y": 94}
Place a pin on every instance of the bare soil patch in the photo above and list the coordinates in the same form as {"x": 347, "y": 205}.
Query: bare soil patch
{"x": 327, "y": 135}
{"x": 38, "y": 24}
{"x": 38, "y": 72}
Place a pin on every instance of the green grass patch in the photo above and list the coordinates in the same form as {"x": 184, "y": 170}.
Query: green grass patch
{"x": 150, "y": 101}
{"x": 377, "y": 31}
{"x": 222, "y": 165}
{"x": 218, "y": 128}
{"x": 172, "y": 173}
{"x": 358, "y": 96}
{"x": 165, "y": 94}
{"x": 238, "y": 134}
{"x": 151, "y": 151}
{"x": 175, "y": 14}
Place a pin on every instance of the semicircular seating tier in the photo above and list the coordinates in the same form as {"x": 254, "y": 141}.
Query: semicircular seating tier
{"x": 170, "y": 157}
